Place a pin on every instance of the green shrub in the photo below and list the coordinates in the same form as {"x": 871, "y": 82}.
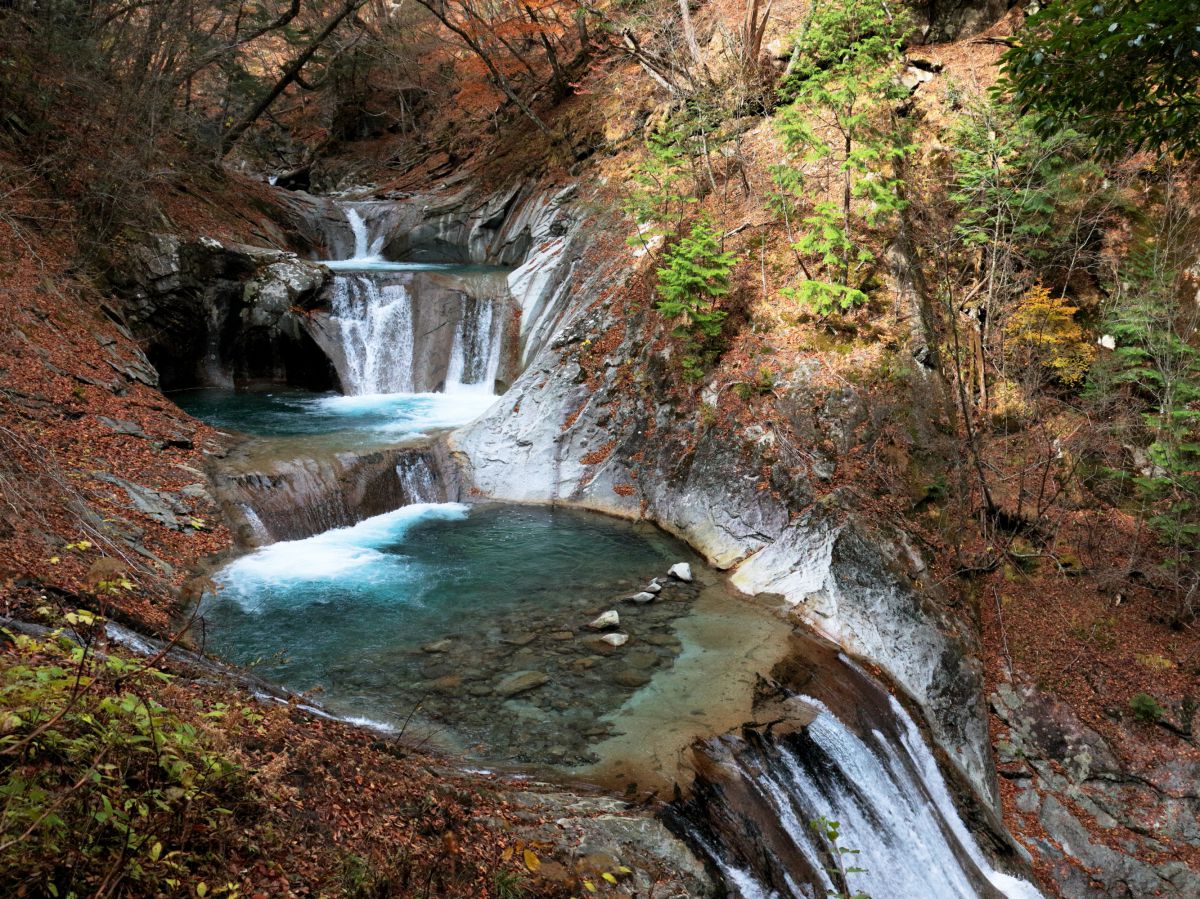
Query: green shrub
{"x": 100, "y": 783}
{"x": 1146, "y": 707}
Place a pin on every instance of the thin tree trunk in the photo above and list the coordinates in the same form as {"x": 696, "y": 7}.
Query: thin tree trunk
{"x": 497, "y": 76}
{"x": 290, "y": 74}
{"x": 689, "y": 34}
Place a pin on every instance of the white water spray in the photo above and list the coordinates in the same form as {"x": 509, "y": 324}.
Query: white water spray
{"x": 376, "y": 323}
{"x": 365, "y": 249}
{"x": 475, "y": 354}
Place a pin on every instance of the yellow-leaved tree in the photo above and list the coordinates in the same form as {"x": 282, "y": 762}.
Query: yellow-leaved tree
{"x": 1042, "y": 333}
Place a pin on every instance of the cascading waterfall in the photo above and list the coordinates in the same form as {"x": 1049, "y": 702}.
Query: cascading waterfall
{"x": 376, "y": 322}
{"x": 475, "y": 354}
{"x": 365, "y": 249}
{"x": 418, "y": 480}
{"x": 757, "y": 796}
{"x": 379, "y": 324}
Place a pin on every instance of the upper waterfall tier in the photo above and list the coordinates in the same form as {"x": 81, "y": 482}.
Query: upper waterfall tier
{"x": 402, "y": 327}
{"x": 523, "y": 235}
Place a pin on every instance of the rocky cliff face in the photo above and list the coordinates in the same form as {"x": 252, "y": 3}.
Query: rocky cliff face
{"x": 595, "y": 421}
{"x": 213, "y": 313}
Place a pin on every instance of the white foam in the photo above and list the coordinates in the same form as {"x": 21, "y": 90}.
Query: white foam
{"x": 1012, "y": 887}
{"x": 327, "y": 556}
{"x": 414, "y": 413}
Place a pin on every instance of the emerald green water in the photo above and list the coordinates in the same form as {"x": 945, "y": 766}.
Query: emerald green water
{"x": 288, "y": 412}
{"x": 431, "y": 607}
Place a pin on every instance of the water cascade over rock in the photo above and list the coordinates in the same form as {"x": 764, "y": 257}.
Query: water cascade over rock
{"x": 852, "y": 755}
{"x": 410, "y": 327}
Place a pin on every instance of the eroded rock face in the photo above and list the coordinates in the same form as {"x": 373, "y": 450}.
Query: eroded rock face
{"x": 1070, "y": 777}
{"x": 288, "y": 498}
{"x": 210, "y": 313}
{"x": 601, "y": 431}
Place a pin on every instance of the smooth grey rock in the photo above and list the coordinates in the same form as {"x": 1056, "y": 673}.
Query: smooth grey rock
{"x": 1042, "y": 727}
{"x": 605, "y": 620}
{"x": 652, "y": 587}
{"x": 1122, "y": 875}
{"x": 615, "y": 639}
{"x": 641, "y": 598}
{"x": 121, "y": 426}
{"x": 161, "y": 506}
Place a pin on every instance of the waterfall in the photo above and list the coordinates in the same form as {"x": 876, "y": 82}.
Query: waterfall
{"x": 402, "y": 330}
{"x": 418, "y": 482}
{"x": 365, "y": 249}
{"x": 757, "y": 796}
{"x": 475, "y": 353}
{"x": 376, "y": 322}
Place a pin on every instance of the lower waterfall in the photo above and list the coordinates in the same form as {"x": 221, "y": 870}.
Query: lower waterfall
{"x": 390, "y": 346}
{"x": 762, "y": 798}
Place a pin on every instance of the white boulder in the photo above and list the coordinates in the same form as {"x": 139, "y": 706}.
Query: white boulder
{"x": 681, "y": 571}
{"x": 607, "y": 620}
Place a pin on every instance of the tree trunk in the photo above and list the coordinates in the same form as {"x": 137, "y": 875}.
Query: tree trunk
{"x": 290, "y": 74}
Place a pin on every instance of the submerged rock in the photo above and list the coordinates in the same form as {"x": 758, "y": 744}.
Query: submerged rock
{"x": 521, "y": 682}
{"x": 615, "y": 639}
{"x": 681, "y": 571}
{"x": 631, "y": 678}
{"x": 606, "y": 620}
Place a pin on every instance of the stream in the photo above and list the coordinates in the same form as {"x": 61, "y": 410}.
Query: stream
{"x": 473, "y": 624}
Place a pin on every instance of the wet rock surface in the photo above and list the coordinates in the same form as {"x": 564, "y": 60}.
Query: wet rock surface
{"x": 217, "y": 313}
{"x": 270, "y": 491}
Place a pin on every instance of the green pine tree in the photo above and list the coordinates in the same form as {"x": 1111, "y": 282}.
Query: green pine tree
{"x": 660, "y": 193}
{"x": 841, "y": 125}
{"x": 695, "y": 275}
